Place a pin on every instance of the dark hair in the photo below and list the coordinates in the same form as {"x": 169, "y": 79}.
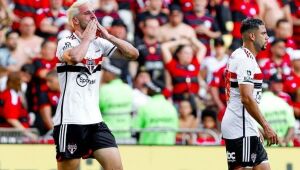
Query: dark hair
{"x": 218, "y": 42}
{"x": 149, "y": 18}
{"x": 118, "y": 22}
{"x": 281, "y": 21}
{"x": 178, "y": 49}
{"x": 277, "y": 40}
{"x": 250, "y": 24}
{"x": 208, "y": 112}
{"x": 9, "y": 33}
{"x": 174, "y": 7}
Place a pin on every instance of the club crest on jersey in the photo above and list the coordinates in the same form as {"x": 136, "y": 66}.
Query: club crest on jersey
{"x": 82, "y": 79}
{"x": 72, "y": 148}
{"x": 90, "y": 64}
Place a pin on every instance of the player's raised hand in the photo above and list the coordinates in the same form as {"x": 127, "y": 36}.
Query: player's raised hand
{"x": 90, "y": 31}
{"x": 103, "y": 32}
{"x": 271, "y": 136}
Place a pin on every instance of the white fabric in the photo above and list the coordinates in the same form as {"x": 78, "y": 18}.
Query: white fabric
{"x": 212, "y": 64}
{"x": 79, "y": 90}
{"x": 245, "y": 66}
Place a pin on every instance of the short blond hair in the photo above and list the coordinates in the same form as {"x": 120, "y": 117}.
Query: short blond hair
{"x": 74, "y": 10}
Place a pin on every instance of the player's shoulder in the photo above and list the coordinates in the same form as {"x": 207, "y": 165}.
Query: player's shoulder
{"x": 238, "y": 54}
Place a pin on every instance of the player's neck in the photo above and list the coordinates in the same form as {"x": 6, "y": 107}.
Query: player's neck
{"x": 251, "y": 48}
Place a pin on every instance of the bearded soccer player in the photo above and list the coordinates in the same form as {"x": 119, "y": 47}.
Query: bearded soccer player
{"x": 243, "y": 92}
{"x": 79, "y": 131}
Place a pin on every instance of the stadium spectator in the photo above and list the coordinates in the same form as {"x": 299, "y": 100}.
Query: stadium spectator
{"x": 203, "y": 23}
{"x": 158, "y": 114}
{"x": 39, "y": 88}
{"x": 278, "y": 62}
{"x": 183, "y": 66}
{"x": 175, "y": 28}
{"x": 26, "y": 8}
{"x": 107, "y": 12}
{"x": 214, "y": 62}
{"x": 217, "y": 91}
{"x": 295, "y": 5}
{"x": 13, "y": 106}
{"x": 48, "y": 103}
{"x": 280, "y": 116}
{"x": 9, "y": 51}
{"x": 187, "y": 120}
{"x": 28, "y": 43}
{"x": 209, "y": 125}
{"x": 6, "y": 15}
{"x": 115, "y": 101}
{"x": 292, "y": 83}
{"x": 140, "y": 91}
{"x": 271, "y": 11}
{"x": 276, "y": 87}
{"x": 153, "y": 10}
{"x": 240, "y": 9}
{"x": 119, "y": 29}
{"x": 150, "y": 50}
{"x": 50, "y": 21}
{"x": 282, "y": 31}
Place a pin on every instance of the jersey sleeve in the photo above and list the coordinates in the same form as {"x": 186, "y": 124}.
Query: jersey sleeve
{"x": 63, "y": 45}
{"x": 107, "y": 47}
{"x": 245, "y": 70}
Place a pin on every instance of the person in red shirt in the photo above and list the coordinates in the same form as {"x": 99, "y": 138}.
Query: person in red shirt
{"x": 203, "y": 23}
{"x": 217, "y": 91}
{"x": 279, "y": 61}
{"x": 48, "y": 104}
{"x": 39, "y": 89}
{"x": 50, "y": 21}
{"x": 284, "y": 31}
{"x": 183, "y": 67}
{"x": 241, "y": 9}
{"x": 12, "y": 110}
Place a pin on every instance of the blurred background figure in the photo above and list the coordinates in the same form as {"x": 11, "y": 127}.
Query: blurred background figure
{"x": 157, "y": 114}
{"x": 280, "y": 116}
{"x": 115, "y": 101}
{"x": 188, "y": 119}
{"x": 8, "y": 53}
{"x": 150, "y": 50}
{"x": 183, "y": 66}
{"x": 214, "y": 62}
{"x": 175, "y": 28}
{"x": 13, "y": 111}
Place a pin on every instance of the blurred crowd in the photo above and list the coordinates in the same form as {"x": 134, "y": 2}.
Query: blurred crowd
{"x": 178, "y": 81}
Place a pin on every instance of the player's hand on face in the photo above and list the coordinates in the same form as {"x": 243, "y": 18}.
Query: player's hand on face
{"x": 103, "y": 32}
{"x": 271, "y": 136}
{"x": 90, "y": 31}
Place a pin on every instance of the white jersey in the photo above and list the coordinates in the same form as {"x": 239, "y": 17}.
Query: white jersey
{"x": 242, "y": 68}
{"x": 79, "y": 84}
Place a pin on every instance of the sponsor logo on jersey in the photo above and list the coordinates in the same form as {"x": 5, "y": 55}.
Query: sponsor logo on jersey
{"x": 82, "y": 80}
{"x": 72, "y": 148}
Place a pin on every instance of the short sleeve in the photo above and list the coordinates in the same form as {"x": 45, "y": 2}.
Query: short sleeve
{"x": 245, "y": 71}
{"x": 107, "y": 47}
{"x": 290, "y": 117}
{"x": 63, "y": 45}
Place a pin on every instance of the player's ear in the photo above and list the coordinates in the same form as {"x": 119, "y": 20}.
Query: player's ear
{"x": 251, "y": 36}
